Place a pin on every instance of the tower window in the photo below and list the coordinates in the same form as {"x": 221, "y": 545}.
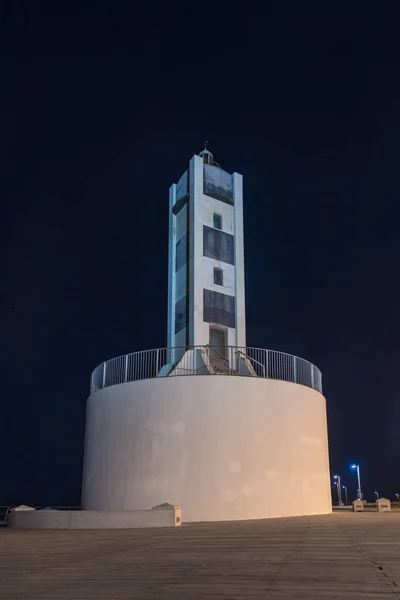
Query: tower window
{"x": 217, "y": 221}
{"x": 218, "y": 276}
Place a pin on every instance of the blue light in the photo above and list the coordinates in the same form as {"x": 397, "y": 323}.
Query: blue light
{"x": 353, "y": 466}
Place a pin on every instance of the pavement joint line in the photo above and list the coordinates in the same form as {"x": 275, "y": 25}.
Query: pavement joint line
{"x": 377, "y": 567}
{"x": 299, "y": 543}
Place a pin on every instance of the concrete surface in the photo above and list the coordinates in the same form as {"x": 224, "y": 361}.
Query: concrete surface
{"x": 343, "y": 555}
{"x": 94, "y": 519}
{"x": 221, "y": 447}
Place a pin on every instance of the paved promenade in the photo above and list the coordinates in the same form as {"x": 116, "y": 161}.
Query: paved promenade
{"x": 344, "y": 555}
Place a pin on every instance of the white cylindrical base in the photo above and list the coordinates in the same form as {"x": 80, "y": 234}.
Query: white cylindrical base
{"x": 221, "y": 447}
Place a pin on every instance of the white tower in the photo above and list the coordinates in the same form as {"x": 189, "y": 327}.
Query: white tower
{"x": 206, "y": 300}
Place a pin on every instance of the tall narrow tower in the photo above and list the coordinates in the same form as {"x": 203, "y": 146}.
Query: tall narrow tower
{"x": 206, "y": 300}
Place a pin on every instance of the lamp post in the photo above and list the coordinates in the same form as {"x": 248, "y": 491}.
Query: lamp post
{"x": 354, "y": 466}
{"x": 339, "y": 489}
{"x": 377, "y": 495}
{"x": 345, "y": 493}
{"x": 397, "y": 497}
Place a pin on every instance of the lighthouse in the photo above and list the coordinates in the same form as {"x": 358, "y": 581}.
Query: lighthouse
{"x": 222, "y": 429}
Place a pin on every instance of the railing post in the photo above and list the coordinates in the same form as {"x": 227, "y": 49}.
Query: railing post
{"x": 267, "y": 370}
{"x": 104, "y": 374}
{"x": 126, "y": 368}
{"x": 294, "y": 369}
{"x": 312, "y": 377}
{"x": 158, "y": 352}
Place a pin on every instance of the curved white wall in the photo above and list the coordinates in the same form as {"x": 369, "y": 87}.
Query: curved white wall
{"x": 219, "y": 447}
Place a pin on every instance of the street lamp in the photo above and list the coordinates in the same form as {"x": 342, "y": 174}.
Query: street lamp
{"x": 339, "y": 489}
{"x": 397, "y": 496}
{"x": 345, "y": 493}
{"x": 377, "y": 495}
{"x": 354, "y": 466}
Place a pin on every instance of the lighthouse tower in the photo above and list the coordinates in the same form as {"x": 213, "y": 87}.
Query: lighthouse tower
{"x": 206, "y": 299}
{"x": 207, "y": 423}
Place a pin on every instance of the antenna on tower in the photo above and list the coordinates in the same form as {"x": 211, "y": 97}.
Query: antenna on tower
{"x": 208, "y": 157}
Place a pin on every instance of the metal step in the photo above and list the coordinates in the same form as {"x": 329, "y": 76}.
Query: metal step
{"x": 226, "y": 371}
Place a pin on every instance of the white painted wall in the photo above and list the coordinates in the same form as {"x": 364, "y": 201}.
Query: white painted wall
{"x": 171, "y": 269}
{"x": 204, "y": 207}
{"x": 196, "y": 251}
{"x": 220, "y": 447}
{"x": 239, "y": 261}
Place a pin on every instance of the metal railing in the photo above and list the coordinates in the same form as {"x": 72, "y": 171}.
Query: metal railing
{"x": 4, "y": 510}
{"x": 206, "y": 360}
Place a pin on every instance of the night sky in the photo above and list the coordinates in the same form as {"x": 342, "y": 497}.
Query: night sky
{"x": 102, "y": 106}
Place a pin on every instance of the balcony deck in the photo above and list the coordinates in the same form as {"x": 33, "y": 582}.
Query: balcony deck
{"x": 206, "y": 360}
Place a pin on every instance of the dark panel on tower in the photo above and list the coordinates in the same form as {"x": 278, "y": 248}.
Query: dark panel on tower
{"x": 180, "y": 255}
{"x": 180, "y": 314}
{"x": 218, "y": 245}
{"x": 182, "y": 193}
{"x": 218, "y": 184}
{"x": 218, "y": 308}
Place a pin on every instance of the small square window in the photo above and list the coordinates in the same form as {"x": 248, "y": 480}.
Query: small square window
{"x": 218, "y": 276}
{"x": 217, "y": 221}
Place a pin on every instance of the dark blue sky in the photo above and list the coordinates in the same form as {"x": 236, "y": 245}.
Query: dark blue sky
{"x": 102, "y": 106}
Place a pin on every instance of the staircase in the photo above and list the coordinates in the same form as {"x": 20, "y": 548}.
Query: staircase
{"x": 225, "y": 371}
{"x": 220, "y": 366}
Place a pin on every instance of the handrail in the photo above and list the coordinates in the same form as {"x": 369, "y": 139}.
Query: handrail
{"x": 253, "y": 360}
{"x": 4, "y": 513}
{"x": 214, "y": 348}
{"x": 196, "y": 360}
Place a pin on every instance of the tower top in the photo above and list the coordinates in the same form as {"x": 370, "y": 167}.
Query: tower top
{"x": 207, "y": 156}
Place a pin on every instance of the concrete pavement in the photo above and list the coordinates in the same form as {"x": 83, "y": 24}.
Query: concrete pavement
{"x": 343, "y": 555}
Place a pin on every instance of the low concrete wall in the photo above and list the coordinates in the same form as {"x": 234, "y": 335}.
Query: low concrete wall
{"x": 95, "y": 519}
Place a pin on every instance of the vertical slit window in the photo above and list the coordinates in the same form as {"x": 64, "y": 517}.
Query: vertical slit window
{"x": 217, "y": 221}
{"x": 218, "y": 276}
